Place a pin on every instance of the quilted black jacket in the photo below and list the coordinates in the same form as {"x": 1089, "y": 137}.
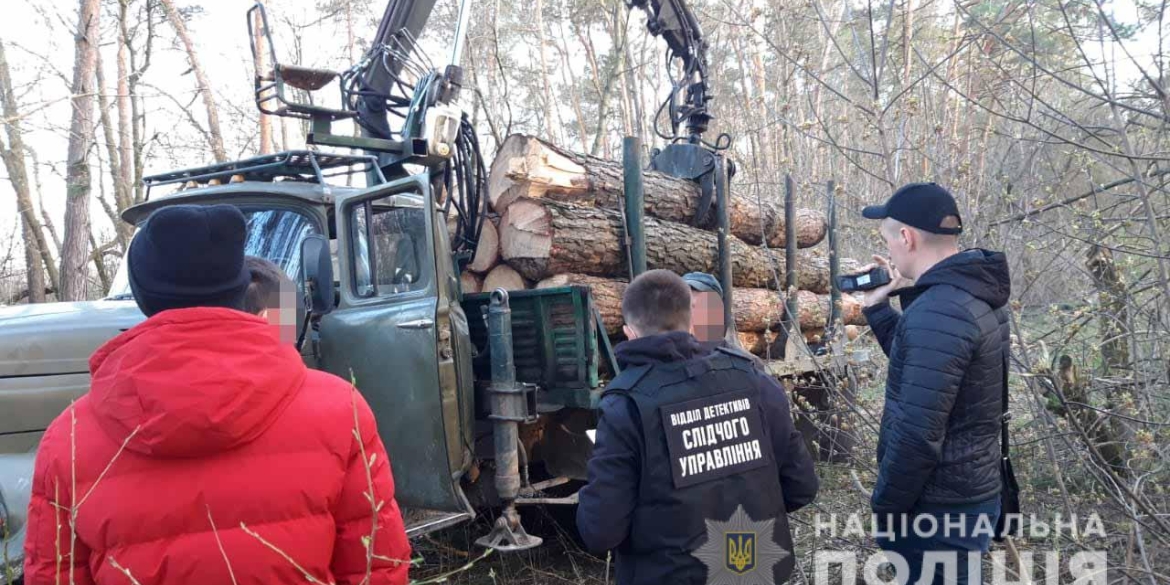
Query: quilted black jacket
{"x": 940, "y": 430}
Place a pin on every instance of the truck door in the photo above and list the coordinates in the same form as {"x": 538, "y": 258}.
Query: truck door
{"x": 384, "y": 332}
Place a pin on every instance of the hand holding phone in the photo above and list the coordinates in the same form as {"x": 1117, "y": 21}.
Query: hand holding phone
{"x": 873, "y": 278}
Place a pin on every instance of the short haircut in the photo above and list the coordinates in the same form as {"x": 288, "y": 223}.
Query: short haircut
{"x": 264, "y": 287}
{"x": 929, "y": 239}
{"x": 657, "y": 301}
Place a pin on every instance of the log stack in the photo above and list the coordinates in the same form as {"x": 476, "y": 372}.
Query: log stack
{"x": 558, "y": 221}
{"x": 530, "y": 168}
{"x": 755, "y": 309}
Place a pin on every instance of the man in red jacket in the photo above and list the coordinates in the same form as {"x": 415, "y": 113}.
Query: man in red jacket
{"x": 205, "y": 451}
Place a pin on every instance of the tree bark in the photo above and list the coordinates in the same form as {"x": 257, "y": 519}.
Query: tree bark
{"x": 505, "y": 277}
{"x": 36, "y": 250}
{"x": 487, "y": 250}
{"x": 214, "y": 135}
{"x": 546, "y": 86}
{"x": 74, "y": 253}
{"x": 122, "y": 190}
{"x": 755, "y": 309}
{"x": 758, "y": 309}
{"x": 125, "y": 118}
{"x": 757, "y": 342}
{"x": 527, "y": 166}
{"x": 261, "y": 68}
{"x": 540, "y": 238}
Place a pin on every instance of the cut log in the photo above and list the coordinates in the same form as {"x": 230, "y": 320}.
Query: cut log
{"x": 505, "y": 277}
{"x": 758, "y": 309}
{"x": 540, "y": 238}
{"x": 755, "y": 309}
{"x": 606, "y": 293}
{"x": 811, "y": 226}
{"x": 757, "y": 342}
{"x": 528, "y": 167}
{"x": 470, "y": 283}
{"x": 814, "y": 310}
{"x": 487, "y": 251}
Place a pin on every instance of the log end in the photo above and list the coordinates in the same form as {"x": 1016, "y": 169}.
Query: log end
{"x": 470, "y": 283}
{"x": 526, "y": 166}
{"x": 526, "y": 238}
{"x": 487, "y": 250}
{"x": 505, "y": 277}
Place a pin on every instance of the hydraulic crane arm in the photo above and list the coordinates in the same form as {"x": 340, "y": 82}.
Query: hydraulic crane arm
{"x": 390, "y": 49}
{"x": 677, "y": 25}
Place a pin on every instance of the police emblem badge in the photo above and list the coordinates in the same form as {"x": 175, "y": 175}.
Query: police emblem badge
{"x": 735, "y": 549}
{"x": 741, "y": 552}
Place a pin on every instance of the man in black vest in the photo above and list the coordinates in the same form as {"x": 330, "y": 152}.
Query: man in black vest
{"x": 697, "y": 461}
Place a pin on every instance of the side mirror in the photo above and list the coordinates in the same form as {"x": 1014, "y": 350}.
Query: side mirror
{"x": 318, "y": 272}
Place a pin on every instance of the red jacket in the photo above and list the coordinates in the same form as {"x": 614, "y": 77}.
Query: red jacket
{"x": 201, "y": 415}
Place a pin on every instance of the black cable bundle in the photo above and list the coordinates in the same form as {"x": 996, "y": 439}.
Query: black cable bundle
{"x": 466, "y": 183}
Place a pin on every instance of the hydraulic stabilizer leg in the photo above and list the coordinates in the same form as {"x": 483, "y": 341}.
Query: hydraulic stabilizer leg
{"x": 509, "y": 407}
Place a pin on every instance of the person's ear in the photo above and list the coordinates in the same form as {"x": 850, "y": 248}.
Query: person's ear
{"x": 629, "y": 331}
{"x": 908, "y": 238}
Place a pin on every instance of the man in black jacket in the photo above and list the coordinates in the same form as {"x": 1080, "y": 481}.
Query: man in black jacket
{"x": 697, "y": 461}
{"x": 938, "y": 450}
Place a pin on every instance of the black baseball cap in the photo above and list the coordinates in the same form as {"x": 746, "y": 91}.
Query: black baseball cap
{"x": 921, "y": 205}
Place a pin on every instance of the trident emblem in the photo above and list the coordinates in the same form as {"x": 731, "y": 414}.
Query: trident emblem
{"x": 741, "y": 556}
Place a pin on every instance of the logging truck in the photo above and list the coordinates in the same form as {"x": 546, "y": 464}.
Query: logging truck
{"x": 475, "y": 311}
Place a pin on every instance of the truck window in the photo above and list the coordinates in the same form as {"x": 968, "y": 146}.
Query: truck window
{"x": 273, "y": 234}
{"x": 389, "y": 249}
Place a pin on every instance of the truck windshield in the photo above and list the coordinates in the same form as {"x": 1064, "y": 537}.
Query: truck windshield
{"x": 273, "y": 234}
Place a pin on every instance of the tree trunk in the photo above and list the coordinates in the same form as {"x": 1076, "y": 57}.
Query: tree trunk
{"x": 1097, "y": 433}
{"x": 122, "y": 191}
{"x": 505, "y": 277}
{"x": 755, "y": 309}
{"x": 261, "y": 68}
{"x": 487, "y": 251}
{"x": 74, "y": 253}
{"x": 526, "y": 166}
{"x": 125, "y": 118}
{"x": 546, "y": 86}
{"x": 541, "y": 238}
{"x": 757, "y": 342}
{"x": 758, "y": 309}
{"x": 36, "y": 249}
{"x": 99, "y": 262}
{"x": 1115, "y": 333}
{"x": 214, "y": 135}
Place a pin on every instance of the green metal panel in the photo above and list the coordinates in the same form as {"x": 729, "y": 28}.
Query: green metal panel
{"x": 554, "y": 342}
{"x": 390, "y": 345}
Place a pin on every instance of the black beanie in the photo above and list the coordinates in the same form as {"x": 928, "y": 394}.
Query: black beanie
{"x": 189, "y": 256}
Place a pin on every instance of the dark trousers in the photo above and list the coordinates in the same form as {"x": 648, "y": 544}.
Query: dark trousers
{"x": 959, "y": 536}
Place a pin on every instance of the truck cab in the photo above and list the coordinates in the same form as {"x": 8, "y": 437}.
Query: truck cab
{"x": 382, "y": 307}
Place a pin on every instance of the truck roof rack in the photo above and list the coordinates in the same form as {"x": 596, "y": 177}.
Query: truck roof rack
{"x": 292, "y": 165}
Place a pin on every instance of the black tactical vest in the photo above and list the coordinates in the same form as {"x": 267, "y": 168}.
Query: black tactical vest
{"x": 707, "y": 450}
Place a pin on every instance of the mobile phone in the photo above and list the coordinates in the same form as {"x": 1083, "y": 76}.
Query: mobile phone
{"x": 876, "y": 277}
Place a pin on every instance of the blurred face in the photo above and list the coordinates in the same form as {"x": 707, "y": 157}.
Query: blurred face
{"x": 284, "y": 315}
{"x": 900, "y": 243}
{"x": 707, "y": 316}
